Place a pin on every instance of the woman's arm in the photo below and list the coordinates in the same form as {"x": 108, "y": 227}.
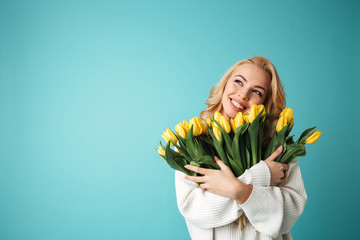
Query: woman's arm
{"x": 274, "y": 210}
{"x": 202, "y": 208}
{"x": 271, "y": 210}
{"x": 207, "y": 210}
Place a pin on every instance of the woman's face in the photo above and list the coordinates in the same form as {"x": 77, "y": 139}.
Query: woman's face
{"x": 247, "y": 85}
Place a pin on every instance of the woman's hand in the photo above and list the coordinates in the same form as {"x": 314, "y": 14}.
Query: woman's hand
{"x": 277, "y": 170}
{"x": 221, "y": 182}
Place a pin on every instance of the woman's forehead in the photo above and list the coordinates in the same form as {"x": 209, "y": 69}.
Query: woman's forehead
{"x": 252, "y": 73}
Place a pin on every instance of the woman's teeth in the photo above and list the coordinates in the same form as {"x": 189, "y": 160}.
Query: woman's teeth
{"x": 237, "y": 105}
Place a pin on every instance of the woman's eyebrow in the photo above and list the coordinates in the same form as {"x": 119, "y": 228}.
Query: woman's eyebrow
{"x": 247, "y": 81}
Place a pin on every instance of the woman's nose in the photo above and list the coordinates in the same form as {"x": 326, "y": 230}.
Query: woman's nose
{"x": 244, "y": 95}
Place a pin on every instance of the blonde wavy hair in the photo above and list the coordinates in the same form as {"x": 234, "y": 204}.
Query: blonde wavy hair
{"x": 274, "y": 102}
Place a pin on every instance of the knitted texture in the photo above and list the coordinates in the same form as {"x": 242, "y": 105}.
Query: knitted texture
{"x": 271, "y": 211}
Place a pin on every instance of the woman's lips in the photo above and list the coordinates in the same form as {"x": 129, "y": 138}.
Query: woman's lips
{"x": 235, "y": 107}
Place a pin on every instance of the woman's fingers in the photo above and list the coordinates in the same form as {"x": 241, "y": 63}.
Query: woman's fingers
{"x": 194, "y": 179}
{"x": 275, "y": 154}
{"x": 219, "y": 162}
{"x": 203, "y": 186}
{"x": 196, "y": 169}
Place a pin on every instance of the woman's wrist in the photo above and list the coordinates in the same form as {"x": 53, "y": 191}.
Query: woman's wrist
{"x": 242, "y": 192}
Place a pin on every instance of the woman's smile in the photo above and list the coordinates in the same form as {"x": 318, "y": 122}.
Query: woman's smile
{"x": 237, "y": 105}
{"x": 247, "y": 85}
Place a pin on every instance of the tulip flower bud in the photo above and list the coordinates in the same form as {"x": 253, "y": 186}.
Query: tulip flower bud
{"x": 253, "y": 113}
{"x": 246, "y": 117}
{"x": 239, "y": 120}
{"x": 181, "y": 130}
{"x": 161, "y": 151}
{"x": 167, "y": 135}
{"x": 225, "y": 124}
{"x": 198, "y": 126}
{"x": 288, "y": 114}
{"x": 208, "y": 122}
{"x": 217, "y": 132}
{"x": 314, "y": 137}
{"x": 281, "y": 123}
{"x": 232, "y": 123}
{"x": 185, "y": 124}
{"x": 261, "y": 108}
{"x": 217, "y": 116}
{"x": 196, "y": 129}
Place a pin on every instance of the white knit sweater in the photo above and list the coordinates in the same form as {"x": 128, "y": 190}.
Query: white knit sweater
{"x": 271, "y": 211}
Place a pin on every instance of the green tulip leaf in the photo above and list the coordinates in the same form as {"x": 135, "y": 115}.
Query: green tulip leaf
{"x": 207, "y": 144}
{"x": 277, "y": 141}
{"x": 236, "y": 146}
{"x": 192, "y": 145}
{"x": 290, "y": 139}
{"x": 175, "y": 160}
{"x": 237, "y": 168}
{"x": 305, "y": 135}
{"x": 244, "y": 128}
{"x": 219, "y": 149}
{"x": 208, "y": 161}
{"x": 255, "y": 135}
{"x": 227, "y": 140}
{"x": 292, "y": 151}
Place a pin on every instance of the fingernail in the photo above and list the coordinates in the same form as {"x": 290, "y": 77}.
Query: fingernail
{"x": 280, "y": 148}
{"x": 186, "y": 166}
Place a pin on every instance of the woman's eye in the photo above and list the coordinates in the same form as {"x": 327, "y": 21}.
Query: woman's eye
{"x": 258, "y": 93}
{"x": 239, "y": 82}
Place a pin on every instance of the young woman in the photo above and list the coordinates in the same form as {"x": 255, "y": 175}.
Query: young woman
{"x": 271, "y": 207}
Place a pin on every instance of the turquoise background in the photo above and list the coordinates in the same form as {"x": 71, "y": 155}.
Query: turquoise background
{"x": 88, "y": 87}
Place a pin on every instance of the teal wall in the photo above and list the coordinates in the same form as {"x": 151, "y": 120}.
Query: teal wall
{"x": 87, "y": 87}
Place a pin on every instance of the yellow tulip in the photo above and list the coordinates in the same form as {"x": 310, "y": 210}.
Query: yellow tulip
{"x": 198, "y": 126}
{"x": 261, "y": 108}
{"x": 181, "y": 130}
{"x": 208, "y": 122}
{"x": 246, "y": 117}
{"x": 196, "y": 129}
{"x": 288, "y": 114}
{"x": 204, "y": 131}
{"x": 254, "y": 111}
{"x": 281, "y": 123}
{"x": 225, "y": 124}
{"x": 185, "y": 124}
{"x": 217, "y": 116}
{"x": 167, "y": 135}
{"x": 216, "y": 131}
{"x": 239, "y": 120}
{"x": 232, "y": 123}
{"x": 161, "y": 151}
{"x": 314, "y": 137}
{"x": 286, "y": 117}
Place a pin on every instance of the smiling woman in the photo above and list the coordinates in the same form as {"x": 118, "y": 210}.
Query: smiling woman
{"x": 247, "y": 82}
{"x": 271, "y": 206}
{"x": 248, "y": 85}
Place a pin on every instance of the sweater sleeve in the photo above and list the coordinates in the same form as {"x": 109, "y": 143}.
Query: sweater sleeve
{"x": 207, "y": 210}
{"x": 274, "y": 210}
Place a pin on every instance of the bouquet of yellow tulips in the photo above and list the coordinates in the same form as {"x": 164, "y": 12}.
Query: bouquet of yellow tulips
{"x": 237, "y": 143}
